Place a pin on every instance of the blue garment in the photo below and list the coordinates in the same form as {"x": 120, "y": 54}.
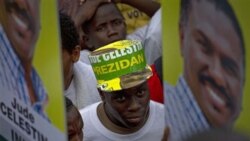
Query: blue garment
{"x": 183, "y": 114}
{"x": 12, "y": 77}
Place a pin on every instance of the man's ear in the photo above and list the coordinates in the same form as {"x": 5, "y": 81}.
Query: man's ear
{"x": 85, "y": 38}
{"x": 86, "y": 41}
{"x": 101, "y": 93}
{"x": 76, "y": 53}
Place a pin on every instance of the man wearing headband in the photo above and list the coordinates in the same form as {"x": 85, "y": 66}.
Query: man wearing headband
{"x": 126, "y": 112}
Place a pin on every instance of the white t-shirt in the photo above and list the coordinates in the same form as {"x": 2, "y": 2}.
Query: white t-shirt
{"x": 94, "y": 130}
{"x": 83, "y": 87}
{"x": 151, "y": 37}
{"x": 70, "y": 92}
{"x": 84, "y": 56}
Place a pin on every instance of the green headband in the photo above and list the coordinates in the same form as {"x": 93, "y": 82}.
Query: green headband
{"x": 116, "y": 60}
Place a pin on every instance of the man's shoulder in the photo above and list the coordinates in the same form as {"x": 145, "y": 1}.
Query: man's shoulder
{"x": 156, "y": 104}
{"x": 79, "y": 64}
{"x": 155, "y": 22}
{"x": 89, "y": 109}
{"x": 83, "y": 70}
{"x": 156, "y": 108}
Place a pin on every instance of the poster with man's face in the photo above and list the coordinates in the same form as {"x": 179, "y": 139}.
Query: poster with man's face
{"x": 205, "y": 61}
{"x": 31, "y": 93}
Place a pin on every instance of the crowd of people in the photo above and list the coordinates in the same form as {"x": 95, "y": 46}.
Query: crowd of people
{"x": 129, "y": 113}
{"x": 131, "y": 105}
{"x": 113, "y": 84}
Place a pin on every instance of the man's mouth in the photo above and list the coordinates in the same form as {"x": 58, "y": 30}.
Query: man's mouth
{"x": 20, "y": 23}
{"x": 114, "y": 40}
{"x": 134, "y": 119}
{"x": 218, "y": 95}
{"x": 218, "y": 101}
{"x": 20, "y": 16}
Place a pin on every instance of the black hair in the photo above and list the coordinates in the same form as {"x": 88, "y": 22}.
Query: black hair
{"x": 85, "y": 26}
{"x": 226, "y": 8}
{"x": 69, "y": 34}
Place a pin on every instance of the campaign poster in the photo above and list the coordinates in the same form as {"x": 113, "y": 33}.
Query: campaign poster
{"x": 206, "y": 65}
{"x": 31, "y": 101}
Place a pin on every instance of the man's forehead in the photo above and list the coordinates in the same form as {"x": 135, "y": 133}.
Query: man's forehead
{"x": 107, "y": 9}
{"x": 215, "y": 25}
{"x": 129, "y": 91}
{"x": 106, "y": 6}
{"x": 201, "y": 4}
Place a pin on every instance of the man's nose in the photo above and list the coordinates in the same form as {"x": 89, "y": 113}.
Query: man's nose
{"x": 134, "y": 105}
{"x": 217, "y": 73}
{"x": 111, "y": 30}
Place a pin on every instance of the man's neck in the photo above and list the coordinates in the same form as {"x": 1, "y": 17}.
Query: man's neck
{"x": 109, "y": 124}
{"x": 27, "y": 67}
{"x": 67, "y": 81}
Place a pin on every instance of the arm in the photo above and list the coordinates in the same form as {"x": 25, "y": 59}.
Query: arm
{"x": 147, "y": 6}
{"x": 80, "y": 10}
{"x": 166, "y": 134}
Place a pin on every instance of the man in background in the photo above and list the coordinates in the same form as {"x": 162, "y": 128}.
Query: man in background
{"x": 79, "y": 79}
{"x": 106, "y": 26}
{"x": 74, "y": 122}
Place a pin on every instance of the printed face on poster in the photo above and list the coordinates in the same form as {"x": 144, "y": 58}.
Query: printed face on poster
{"x": 205, "y": 51}
{"x": 29, "y": 98}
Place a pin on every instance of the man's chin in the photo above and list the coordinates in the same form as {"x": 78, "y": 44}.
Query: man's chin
{"x": 133, "y": 124}
{"x": 218, "y": 119}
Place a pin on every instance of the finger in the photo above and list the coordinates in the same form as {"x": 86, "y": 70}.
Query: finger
{"x": 82, "y": 1}
{"x": 166, "y": 134}
{"x": 106, "y": 0}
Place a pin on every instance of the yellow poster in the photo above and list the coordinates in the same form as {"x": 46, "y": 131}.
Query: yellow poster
{"x": 31, "y": 102}
{"x": 206, "y": 65}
